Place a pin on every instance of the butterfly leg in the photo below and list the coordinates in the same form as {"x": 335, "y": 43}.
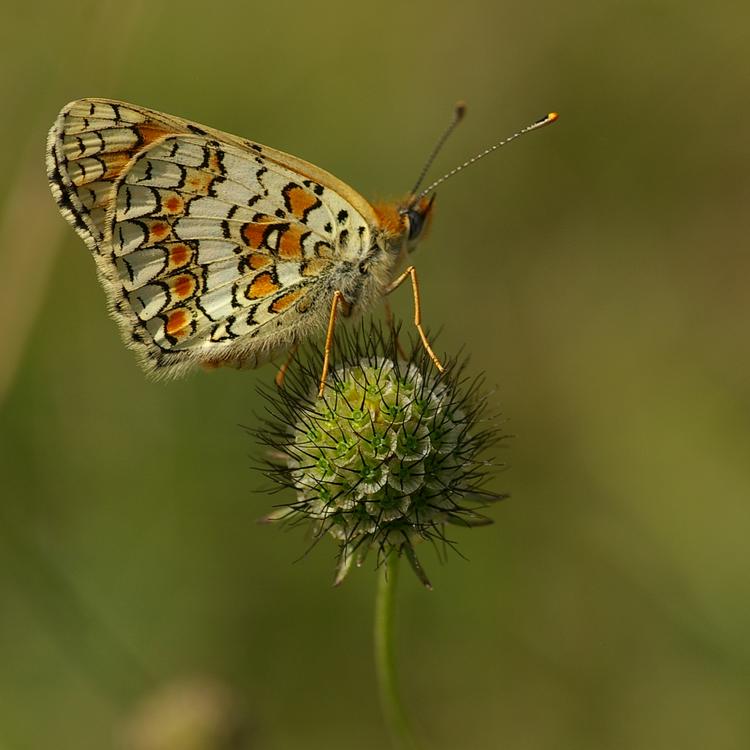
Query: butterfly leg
{"x": 411, "y": 272}
{"x": 281, "y": 374}
{"x": 337, "y": 298}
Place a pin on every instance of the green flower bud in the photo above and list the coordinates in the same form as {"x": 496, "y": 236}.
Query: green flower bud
{"x": 390, "y": 453}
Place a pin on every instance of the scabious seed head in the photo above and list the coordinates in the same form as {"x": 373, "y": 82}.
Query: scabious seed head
{"x": 388, "y": 455}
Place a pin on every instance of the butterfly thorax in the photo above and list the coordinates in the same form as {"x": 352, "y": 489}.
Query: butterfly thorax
{"x": 366, "y": 274}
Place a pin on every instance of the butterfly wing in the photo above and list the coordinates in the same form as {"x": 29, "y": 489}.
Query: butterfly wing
{"x": 210, "y": 247}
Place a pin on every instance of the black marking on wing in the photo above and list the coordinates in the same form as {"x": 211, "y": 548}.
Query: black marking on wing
{"x": 147, "y": 171}
{"x": 157, "y": 211}
{"x": 206, "y": 150}
{"x": 183, "y": 176}
{"x": 317, "y": 189}
{"x": 63, "y": 196}
{"x": 220, "y": 159}
{"x": 225, "y": 230}
{"x": 131, "y": 274}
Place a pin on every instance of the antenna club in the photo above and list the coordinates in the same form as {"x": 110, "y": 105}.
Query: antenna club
{"x": 460, "y": 109}
{"x": 548, "y": 119}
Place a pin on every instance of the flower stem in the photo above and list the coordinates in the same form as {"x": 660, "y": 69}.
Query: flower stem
{"x": 385, "y": 656}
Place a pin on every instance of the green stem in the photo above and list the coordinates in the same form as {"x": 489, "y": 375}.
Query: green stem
{"x": 385, "y": 656}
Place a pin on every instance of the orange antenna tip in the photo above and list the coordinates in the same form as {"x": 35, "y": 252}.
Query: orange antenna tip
{"x": 548, "y": 119}
{"x": 460, "y": 109}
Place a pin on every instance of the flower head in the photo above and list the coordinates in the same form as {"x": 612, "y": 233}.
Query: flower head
{"x": 390, "y": 453}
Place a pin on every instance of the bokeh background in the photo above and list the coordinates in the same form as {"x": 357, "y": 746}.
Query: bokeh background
{"x": 597, "y": 271}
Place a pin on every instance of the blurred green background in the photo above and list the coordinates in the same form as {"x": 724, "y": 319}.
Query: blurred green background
{"x": 597, "y": 271}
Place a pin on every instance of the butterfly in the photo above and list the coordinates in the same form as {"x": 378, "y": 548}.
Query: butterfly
{"x": 214, "y": 249}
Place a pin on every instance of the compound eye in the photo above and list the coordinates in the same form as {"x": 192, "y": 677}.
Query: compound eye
{"x": 416, "y": 223}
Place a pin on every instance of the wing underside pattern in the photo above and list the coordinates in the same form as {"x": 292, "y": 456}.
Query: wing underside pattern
{"x": 208, "y": 247}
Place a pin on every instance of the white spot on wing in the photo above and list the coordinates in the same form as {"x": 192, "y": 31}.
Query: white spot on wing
{"x": 218, "y": 274}
{"x": 212, "y": 251}
{"x": 179, "y": 151}
{"x": 148, "y": 301}
{"x": 288, "y": 273}
{"x": 126, "y": 237}
{"x": 134, "y": 201}
{"x": 189, "y": 228}
{"x": 144, "y": 265}
{"x": 154, "y": 173}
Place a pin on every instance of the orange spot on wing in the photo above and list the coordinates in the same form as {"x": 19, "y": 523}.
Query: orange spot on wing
{"x": 158, "y": 231}
{"x": 174, "y": 204}
{"x": 183, "y": 286}
{"x": 389, "y": 218}
{"x": 299, "y": 201}
{"x": 262, "y": 286}
{"x": 253, "y": 234}
{"x": 199, "y": 182}
{"x": 257, "y": 261}
{"x": 177, "y": 321}
{"x": 148, "y": 133}
{"x": 214, "y": 163}
{"x": 284, "y": 302}
{"x": 290, "y": 244}
{"x": 114, "y": 163}
{"x": 179, "y": 255}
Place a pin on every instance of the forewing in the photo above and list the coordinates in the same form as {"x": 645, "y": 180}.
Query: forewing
{"x": 207, "y": 244}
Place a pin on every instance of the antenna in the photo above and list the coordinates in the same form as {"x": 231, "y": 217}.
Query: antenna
{"x": 458, "y": 114}
{"x": 540, "y": 123}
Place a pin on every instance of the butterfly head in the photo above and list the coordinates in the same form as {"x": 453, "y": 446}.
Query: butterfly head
{"x": 417, "y": 217}
{"x": 405, "y": 223}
